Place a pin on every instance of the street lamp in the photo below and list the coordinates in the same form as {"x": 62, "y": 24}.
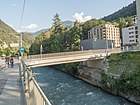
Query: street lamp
{"x": 41, "y": 48}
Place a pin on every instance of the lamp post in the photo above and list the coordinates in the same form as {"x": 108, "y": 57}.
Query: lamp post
{"x": 41, "y": 50}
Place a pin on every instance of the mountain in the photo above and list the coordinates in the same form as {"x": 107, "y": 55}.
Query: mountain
{"x": 126, "y": 11}
{"x": 65, "y": 24}
{"x": 39, "y": 32}
{"x": 7, "y": 34}
{"x": 68, "y": 23}
{"x": 28, "y": 38}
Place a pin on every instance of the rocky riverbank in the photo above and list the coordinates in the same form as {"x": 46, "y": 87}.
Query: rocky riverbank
{"x": 112, "y": 81}
{"x": 120, "y": 75}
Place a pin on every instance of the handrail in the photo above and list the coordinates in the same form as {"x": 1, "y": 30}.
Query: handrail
{"x": 71, "y": 53}
{"x": 36, "y": 95}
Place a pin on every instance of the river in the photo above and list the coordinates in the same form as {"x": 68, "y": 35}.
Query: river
{"x": 63, "y": 89}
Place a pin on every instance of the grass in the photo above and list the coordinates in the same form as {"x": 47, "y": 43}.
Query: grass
{"x": 127, "y": 61}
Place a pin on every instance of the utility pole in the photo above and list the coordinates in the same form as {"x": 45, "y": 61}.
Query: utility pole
{"x": 138, "y": 17}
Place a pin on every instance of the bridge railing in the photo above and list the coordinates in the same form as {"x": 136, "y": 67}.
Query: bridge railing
{"x": 115, "y": 50}
{"x": 36, "y": 95}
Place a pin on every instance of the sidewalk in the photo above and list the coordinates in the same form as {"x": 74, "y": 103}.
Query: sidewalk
{"x": 10, "y": 87}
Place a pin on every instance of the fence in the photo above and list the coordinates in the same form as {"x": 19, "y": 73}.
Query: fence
{"x": 36, "y": 95}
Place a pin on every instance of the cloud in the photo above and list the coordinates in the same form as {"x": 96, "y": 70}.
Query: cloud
{"x": 81, "y": 18}
{"x": 31, "y": 26}
{"x": 18, "y": 31}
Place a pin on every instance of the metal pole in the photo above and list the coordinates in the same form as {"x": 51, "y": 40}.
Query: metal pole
{"x": 41, "y": 51}
{"x": 21, "y": 45}
{"x": 138, "y": 18}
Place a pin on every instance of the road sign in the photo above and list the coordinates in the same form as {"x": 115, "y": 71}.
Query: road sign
{"x": 21, "y": 49}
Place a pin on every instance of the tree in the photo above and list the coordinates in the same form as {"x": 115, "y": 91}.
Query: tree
{"x": 54, "y": 42}
{"x": 122, "y": 24}
{"x": 57, "y": 25}
{"x": 76, "y": 36}
{"x": 130, "y": 21}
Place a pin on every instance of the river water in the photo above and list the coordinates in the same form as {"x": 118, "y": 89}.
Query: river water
{"x": 63, "y": 89}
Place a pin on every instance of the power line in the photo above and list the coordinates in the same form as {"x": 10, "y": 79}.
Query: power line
{"x": 20, "y": 26}
{"x": 22, "y": 14}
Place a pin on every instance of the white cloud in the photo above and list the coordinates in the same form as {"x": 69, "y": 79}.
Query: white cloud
{"x": 18, "y": 31}
{"x": 31, "y": 26}
{"x": 81, "y": 18}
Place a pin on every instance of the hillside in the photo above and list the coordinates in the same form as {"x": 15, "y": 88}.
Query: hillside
{"x": 68, "y": 23}
{"x": 28, "y": 38}
{"x": 7, "y": 34}
{"x": 127, "y": 11}
{"x": 65, "y": 24}
{"x": 39, "y": 32}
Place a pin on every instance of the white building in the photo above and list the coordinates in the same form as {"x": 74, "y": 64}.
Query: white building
{"x": 14, "y": 44}
{"x": 130, "y": 37}
{"x": 106, "y": 32}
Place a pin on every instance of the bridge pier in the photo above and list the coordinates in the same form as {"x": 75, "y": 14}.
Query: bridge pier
{"x": 97, "y": 63}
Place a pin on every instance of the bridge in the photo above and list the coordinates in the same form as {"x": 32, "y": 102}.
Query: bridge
{"x": 36, "y": 95}
{"x": 67, "y": 57}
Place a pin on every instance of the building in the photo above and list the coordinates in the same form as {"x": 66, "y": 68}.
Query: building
{"x": 106, "y": 32}
{"x": 130, "y": 37}
{"x": 94, "y": 44}
{"x": 138, "y": 17}
{"x": 14, "y": 45}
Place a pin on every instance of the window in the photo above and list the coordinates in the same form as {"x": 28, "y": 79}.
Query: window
{"x": 131, "y": 28}
{"x": 136, "y": 28}
{"x": 131, "y": 32}
{"x": 131, "y": 40}
{"x": 131, "y": 36}
{"x": 136, "y": 36}
{"x": 136, "y": 32}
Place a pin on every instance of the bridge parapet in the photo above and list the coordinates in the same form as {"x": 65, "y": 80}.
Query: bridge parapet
{"x": 105, "y": 51}
{"x": 36, "y": 95}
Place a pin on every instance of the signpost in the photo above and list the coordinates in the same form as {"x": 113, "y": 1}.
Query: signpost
{"x": 21, "y": 50}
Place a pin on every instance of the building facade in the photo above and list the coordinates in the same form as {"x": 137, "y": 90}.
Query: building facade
{"x": 106, "y": 32}
{"x": 130, "y": 36}
{"x": 92, "y": 44}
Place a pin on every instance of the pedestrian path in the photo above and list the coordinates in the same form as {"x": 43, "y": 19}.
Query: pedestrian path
{"x": 10, "y": 87}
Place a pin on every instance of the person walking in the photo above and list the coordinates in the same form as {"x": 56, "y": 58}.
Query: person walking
{"x": 12, "y": 62}
{"x": 7, "y": 61}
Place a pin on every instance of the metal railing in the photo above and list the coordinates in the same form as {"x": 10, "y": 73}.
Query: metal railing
{"x": 72, "y": 53}
{"x": 36, "y": 95}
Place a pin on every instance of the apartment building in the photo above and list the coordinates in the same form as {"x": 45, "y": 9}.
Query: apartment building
{"x": 106, "y": 32}
{"x": 130, "y": 36}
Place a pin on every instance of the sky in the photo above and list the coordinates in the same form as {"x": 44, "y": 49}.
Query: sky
{"x": 38, "y": 14}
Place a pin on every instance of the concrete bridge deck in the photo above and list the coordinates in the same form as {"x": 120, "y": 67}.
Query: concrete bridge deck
{"x": 67, "y": 57}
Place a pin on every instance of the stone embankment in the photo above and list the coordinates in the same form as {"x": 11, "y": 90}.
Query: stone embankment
{"x": 94, "y": 76}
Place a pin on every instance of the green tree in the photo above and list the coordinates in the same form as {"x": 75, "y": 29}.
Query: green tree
{"x": 122, "y": 24}
{"x": 130, "y": 21}
{"x": 54, "y": 42}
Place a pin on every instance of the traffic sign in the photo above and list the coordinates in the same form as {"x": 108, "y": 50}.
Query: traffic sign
{"x": 21, "y": 49}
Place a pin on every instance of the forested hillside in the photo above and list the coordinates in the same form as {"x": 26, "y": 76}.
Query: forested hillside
{"x": 127, "y": 11}
{"x": 7, "y": 34}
